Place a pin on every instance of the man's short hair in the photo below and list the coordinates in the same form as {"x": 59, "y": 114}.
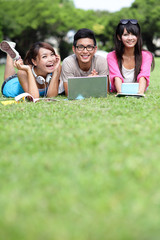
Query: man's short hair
{"x": 84, "y": 33}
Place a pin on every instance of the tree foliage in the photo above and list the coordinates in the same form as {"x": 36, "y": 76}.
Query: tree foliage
{"x": 147, "y": 12}
{"x": 27, "y": 21}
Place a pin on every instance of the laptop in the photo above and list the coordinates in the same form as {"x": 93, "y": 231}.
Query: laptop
{"x": 85, "y": 87}
{"x": 129, "y": 90}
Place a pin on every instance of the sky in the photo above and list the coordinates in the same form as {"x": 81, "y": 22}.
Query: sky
{"x": 108, "y": 5}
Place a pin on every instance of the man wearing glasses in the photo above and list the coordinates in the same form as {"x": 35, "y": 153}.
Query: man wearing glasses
{"x": 83, "y": 62}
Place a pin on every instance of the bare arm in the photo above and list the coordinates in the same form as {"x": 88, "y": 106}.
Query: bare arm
{"x": 118, "y": 84}
{"x": 142, "y": 85}
{"x": 26, "y": 78}
{"x": 66, "y": 88}
{"x": 54, "y": 83}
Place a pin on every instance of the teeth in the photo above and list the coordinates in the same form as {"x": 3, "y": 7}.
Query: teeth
{"x": 84, "y": 56}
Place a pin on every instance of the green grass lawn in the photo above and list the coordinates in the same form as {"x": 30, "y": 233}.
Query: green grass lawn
{"x": 81, "y": 170}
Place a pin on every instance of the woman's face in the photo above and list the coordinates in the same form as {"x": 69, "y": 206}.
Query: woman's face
{"x": 129, "y": 40}
{"x": 45, "y": 60}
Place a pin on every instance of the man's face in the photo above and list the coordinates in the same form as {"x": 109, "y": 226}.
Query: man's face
{"x": 84, "y": 55}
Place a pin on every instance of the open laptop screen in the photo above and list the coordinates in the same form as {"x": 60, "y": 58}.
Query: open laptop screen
{"x": 85, "y": 87}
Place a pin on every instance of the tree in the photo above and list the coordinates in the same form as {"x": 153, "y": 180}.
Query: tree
{"x": 37, "y": 20}
{"x": 32, "y": 20}
{"x": 148, "y": 14}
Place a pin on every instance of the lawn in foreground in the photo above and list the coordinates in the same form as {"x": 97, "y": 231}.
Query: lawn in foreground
{"x": 80, "y": 170}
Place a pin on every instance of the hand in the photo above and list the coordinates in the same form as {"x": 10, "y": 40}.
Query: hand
{"x": 93, "y": 73}
{"x": 57, "y": 61}
{"x": 141, "y": 93}
{"x": 20, "y": 65}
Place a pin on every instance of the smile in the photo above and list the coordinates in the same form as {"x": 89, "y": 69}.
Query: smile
{"x": 85, "y": 56}
{"x": 50, "y": 65}
{"x": 130, "y": 42}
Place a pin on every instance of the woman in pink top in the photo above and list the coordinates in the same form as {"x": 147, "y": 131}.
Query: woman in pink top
{"x": 129, "y": 63}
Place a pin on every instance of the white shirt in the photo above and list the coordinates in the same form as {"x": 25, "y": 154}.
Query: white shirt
{"x": 128, "y": 75}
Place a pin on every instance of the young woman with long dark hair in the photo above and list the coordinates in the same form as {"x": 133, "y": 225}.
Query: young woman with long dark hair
{"x": 129, "y": 63}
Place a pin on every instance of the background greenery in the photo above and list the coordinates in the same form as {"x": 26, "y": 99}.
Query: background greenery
{"x": 85, "y": 169}
{"x": 27, "y": 21}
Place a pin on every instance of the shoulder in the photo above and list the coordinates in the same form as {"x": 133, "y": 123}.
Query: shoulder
{"x": 99, "y": 62}
{"x": 111, "y": 55}
{"x": 71, "y": 58}
{"x": 69, "y": 61}
{"x": 99, "y": 59}
{"x": 146, "y": 54}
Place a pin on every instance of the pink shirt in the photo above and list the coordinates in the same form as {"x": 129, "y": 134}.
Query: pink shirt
{"x": 115, "y": 72}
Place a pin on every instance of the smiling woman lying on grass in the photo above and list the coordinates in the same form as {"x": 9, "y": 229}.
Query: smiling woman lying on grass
{"x": 38, "y": 74}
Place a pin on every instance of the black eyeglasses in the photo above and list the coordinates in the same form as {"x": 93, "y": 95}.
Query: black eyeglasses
{"x": 125, "y": 21}
{"x": 88, "y": 47}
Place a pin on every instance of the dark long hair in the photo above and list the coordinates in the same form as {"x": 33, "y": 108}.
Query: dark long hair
{"x": 34, "y": 50}
{"x": 119, "y": 46}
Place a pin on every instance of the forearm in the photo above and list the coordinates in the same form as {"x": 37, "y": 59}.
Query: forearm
{"x": 118, "y": 84}
{"x": 54, "y": 83}
{"x": 28, "y": 82}
{"x": 66, "y": 88}
{"x": 32, "y": 86}
{"x": 142, "y": 85}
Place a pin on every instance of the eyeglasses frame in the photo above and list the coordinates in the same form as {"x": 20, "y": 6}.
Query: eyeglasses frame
{"x": 85, "y": 47}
